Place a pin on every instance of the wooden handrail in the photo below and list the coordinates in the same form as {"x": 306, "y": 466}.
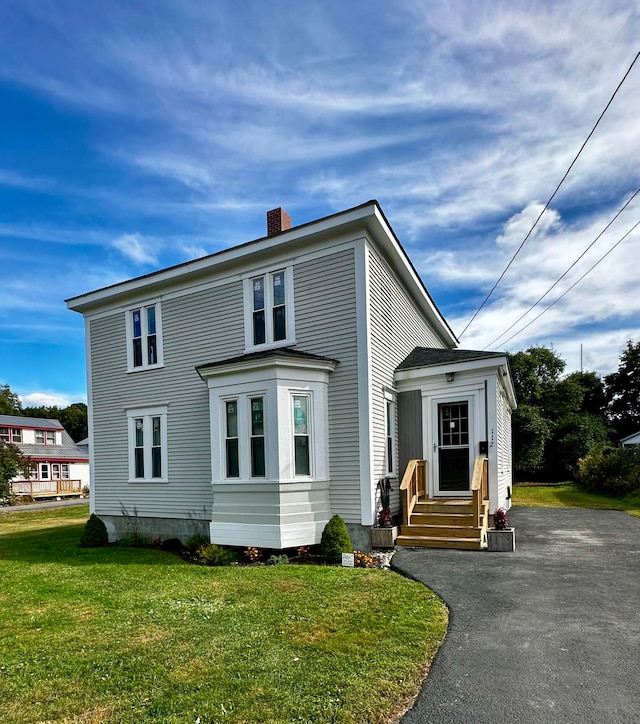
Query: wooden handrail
{"x": 413, "y": 485}
{"x": 47, "y": 488}
{"x": 479, "y": 487}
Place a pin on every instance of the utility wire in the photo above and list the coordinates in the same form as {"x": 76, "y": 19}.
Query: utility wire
{"x": 533, "y": 306}
{"x": 546, "y": 206}
{"x": 575, "y": 284}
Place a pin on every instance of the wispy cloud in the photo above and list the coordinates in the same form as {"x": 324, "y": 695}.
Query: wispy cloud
{"x": 135, "y": 248}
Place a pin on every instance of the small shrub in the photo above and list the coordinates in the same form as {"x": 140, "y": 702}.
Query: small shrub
{"x": 363, "y": 560}
{"x": 172, "y": 545}
{"x": 610, "y": 471}
{"x": 385, "y": 519}
{"x": 95, "y": 533}
{"x": 335, "y": 540}
{"x": 500, "y": 520}
{"x": 304, "y": 556}
{"x": 277, "y": 560}
{"x": 196, "y": 540}
{"x": 213, "y": 555}
{"x": 251, "y": 555}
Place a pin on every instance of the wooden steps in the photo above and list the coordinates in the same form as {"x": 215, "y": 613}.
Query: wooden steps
{"x": 445, "y": 523}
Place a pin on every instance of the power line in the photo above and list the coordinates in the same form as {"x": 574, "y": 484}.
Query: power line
{"x": 575, "y": 284}
{"x": 533, "y": 306}
{"x": 546, "y": 206}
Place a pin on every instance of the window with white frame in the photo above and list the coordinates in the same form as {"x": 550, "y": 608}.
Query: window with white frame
{"x": 258, "y": 468}
{"x": 65, "y": 471}
{"x": 147, "y": 444}
{"x": 16, "y": 435}
{"x": 390, "y": 434}
{"x": 44, "y": 471}
{"x": 269, "y": 308}
{"x": 5, "y": 435}
{"x": 301, "y": 434}
{"x": 232, "y": 451}
{"x": 144, "y": 337}
{"x": 55, "y": 471}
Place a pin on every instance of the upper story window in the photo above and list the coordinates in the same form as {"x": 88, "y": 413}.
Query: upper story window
{"x": 269, "y": 309}
{"x": 45, "y": 437}
{"x": 144, "y": 337}
{"x": 10, "y": 434}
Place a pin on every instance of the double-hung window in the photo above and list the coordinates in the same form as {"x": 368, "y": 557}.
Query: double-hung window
{"x": 301, "y": 435}
{"x": 39, "y": 437}
{"x": 390, "y": 433}
{"x": 269, "y": 309}
{"x": 148, "y": 444}
{"x": 144, "y": 337}
{"x": 4, "y": 434}
{"x": 231, "y": 439}
{"x": 257, "y": 437}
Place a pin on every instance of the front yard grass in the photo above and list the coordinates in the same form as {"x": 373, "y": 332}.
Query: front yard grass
{"x": 569, "y": 495}
{"x": 138, "y": 635}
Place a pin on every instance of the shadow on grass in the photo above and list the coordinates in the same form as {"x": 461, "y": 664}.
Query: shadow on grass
{"x": 61, "y": 545}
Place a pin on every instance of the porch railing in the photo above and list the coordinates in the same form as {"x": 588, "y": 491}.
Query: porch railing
{"x": 46, "y": 488}
{"x": 413, "y": 485}
{"x": 479, "y": 488}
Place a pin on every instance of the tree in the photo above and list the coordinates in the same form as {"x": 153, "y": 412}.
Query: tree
{"x": 531, "y": 431}
{"x": 9, "y": 402}
{"x": 533, "y": 371}
{"x": 623, "y": 391}
{"x": 12, "y": 462}
{"x": 74, "y": 419}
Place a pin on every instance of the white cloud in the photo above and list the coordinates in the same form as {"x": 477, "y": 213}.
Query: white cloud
{"x": 44, "y": 399}
{"x": 135, "y": 248}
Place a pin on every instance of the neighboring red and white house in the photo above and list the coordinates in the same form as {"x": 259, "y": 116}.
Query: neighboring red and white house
{"x": 631, "y": 440}
{"x": 58, "y": 466}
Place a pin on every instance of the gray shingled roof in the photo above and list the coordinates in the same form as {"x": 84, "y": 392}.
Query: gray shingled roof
{"x": 37, "y": 422}
{"x": 430, "y": 356}
{"x": 278, "y": 352}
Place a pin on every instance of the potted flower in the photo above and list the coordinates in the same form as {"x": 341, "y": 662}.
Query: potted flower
{"x": 501, "y": 537}
{"x": 384, "y": 533}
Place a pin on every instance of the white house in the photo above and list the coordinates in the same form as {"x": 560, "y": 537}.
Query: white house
{"x": 631, "y": 440}
{"x": 253, "y": 393}
{"x": 58, "y": 466}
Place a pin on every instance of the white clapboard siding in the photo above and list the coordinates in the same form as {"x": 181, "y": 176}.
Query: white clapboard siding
{"x": 503, "y": 426}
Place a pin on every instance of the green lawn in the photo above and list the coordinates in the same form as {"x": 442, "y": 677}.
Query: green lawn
{"x": 569, "y": 495}
{"x": 131, "y": 635}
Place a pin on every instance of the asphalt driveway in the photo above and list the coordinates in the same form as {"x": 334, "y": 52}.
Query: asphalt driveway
{"x": 550, "y": 633}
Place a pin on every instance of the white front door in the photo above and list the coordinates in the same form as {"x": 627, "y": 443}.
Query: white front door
{"x": 453, "y": 436}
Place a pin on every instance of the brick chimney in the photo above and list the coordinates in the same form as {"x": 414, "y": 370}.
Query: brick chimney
{"x": 277, "y": 220}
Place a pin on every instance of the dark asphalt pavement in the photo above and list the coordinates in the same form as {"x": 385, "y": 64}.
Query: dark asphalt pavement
{"x": 550, "y": 633}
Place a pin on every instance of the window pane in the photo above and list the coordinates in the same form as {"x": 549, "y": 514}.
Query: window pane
{"x": 4, "y": 434}
{"x": 302, "y": 455}
{"x": 257, "y": 416}
{"x": 65, "y": 471}
{"x": 139, "y": 432}
{"x": 137, "y": 326}
{"x": 156, "y": 465}
{"x": 279, "y": 324}
{"x": 139, "y": 462}
{"x": 258, "y": 294}
{"x": 232, "y": 418}
{"x": 51, "y": 438}
{"x": 40, "y": 437}
{"x": 44, "y": 471}
{"x": 390, "y": 454}
{"x": 152, "y": 350}
{"x": 155, "y": 425}
{"x": 151, "y": 320}
{"x": 258, "y": 328}
{"x": 257, "y": 457}
{"x": 137, "y": 352}
{"x": 17, "y": 435}
{"x": 233, "y": 467}
{"x": 278, "y": 288}
{"x": 300, "y": 415}
{"x": 55, "y": 471}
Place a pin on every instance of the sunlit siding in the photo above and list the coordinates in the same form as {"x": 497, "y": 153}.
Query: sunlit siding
{"x": 397, "y": 326}
{"x": 325, "y": 308}
{"x": 503, "y": 427}
{"x": 196, "y": 328}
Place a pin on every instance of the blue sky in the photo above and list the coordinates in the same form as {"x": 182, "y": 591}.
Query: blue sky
{"x": 138, "y": 135}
